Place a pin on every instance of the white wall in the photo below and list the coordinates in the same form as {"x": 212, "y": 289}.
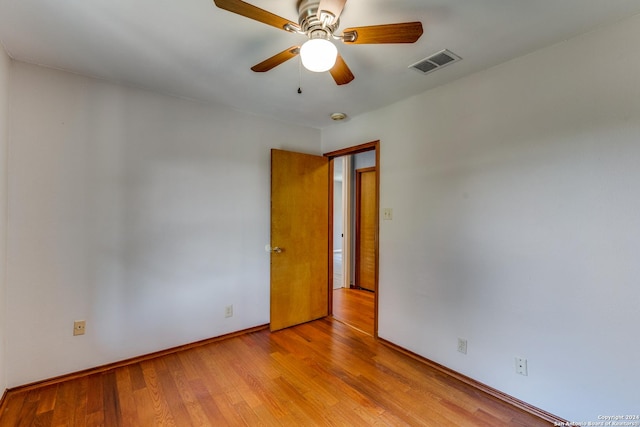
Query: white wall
{"x": 516, "y": 223}
{"x": 4, "y": 135}
{"x": 337, "y": 216}
{"x": 143, "y": 214}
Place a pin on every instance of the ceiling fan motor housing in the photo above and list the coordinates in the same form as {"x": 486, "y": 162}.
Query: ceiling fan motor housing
{"x": 311, "y": 24}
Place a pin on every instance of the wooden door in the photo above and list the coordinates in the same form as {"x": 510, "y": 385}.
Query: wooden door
{"x": 299, "y": 238}
{"x": 365, "y": 274}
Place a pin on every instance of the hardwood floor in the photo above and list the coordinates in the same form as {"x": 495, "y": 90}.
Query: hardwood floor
{"x": 355, "y": 308}
{"x": 319, "y": 373}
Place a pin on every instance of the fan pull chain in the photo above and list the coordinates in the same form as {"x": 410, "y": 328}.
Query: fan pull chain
{"x": 299, "y": 75}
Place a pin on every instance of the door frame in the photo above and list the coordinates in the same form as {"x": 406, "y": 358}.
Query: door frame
{"x": 368, "y": 146}
{"x": 358, "y": 228}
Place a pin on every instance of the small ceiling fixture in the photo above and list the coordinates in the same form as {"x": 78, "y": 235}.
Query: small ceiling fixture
{"x": 338, "y": 116}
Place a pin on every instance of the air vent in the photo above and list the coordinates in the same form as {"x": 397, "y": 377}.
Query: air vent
{"x": 435, "y": 61}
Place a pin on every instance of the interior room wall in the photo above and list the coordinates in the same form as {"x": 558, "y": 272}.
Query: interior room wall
{"x": 337, "y": 204}
{"x": 362, "y": 160}
{"x": 143, "y": 214}
{"x": 338, "y": 216}
{"x": 4, "y": 135}
{"x": 515, "y": 223}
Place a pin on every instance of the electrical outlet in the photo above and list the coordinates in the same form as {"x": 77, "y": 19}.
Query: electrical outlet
{"x": 462, "y": 345}
{"x": 228, "y": 311}
{"x": 521, "y": 366}
{"x": 79, "y": 327}
{"x": 387, "y": 214}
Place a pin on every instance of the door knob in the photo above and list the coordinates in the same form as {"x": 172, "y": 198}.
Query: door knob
{"x": 276, "y": 249}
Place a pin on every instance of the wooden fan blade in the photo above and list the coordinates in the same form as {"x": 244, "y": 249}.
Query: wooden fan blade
{"x": 340, "y": 72}
{"x": 332, "y": 6}
{"x": 276, "y": 60}
{"x": 406, "y": 32}
{"x": 253, "y": 12}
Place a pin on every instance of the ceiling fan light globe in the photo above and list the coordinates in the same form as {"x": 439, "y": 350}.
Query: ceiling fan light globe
{"x": 318, "y": 55}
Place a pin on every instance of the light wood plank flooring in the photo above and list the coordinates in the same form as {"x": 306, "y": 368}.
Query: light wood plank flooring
{"x": 355, "y": 307}
{"x": 320, "y": 373}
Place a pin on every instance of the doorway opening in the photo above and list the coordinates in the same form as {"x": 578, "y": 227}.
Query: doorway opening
{"x": 354, "y": 236}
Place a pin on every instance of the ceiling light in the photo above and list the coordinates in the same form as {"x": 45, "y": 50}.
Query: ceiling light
{"x": 338, "y": 116}
{"x": 318, "y": 55}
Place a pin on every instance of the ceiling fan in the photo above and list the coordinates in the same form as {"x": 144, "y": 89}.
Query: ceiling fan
{"x": 319, "y": 20}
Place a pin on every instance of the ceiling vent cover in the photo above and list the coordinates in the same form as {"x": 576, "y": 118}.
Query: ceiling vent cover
{"x": 435, "y": 61}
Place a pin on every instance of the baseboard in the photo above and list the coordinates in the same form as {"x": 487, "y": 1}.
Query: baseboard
{"x": 517, "y": 403}
{"x": 126, "y": 362}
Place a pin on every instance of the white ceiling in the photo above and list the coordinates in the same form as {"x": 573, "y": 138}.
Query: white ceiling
{"x": 192, "y": 49}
